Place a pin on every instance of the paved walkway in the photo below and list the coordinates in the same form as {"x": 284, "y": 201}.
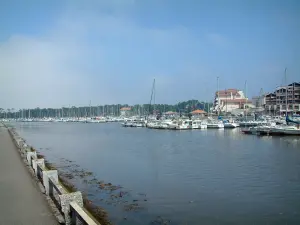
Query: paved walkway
{"x": 21, "y": 201}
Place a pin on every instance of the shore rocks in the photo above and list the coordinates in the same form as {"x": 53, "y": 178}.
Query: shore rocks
{"x": 110, "y": 194}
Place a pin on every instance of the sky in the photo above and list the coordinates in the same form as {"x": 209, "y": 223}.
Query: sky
{"x": 70, "y": 52}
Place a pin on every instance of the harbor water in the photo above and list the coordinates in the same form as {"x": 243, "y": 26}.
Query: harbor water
{"x": 177, "y": 177}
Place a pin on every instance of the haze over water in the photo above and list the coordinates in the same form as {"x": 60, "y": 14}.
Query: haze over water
{"x": 188, "y": 177}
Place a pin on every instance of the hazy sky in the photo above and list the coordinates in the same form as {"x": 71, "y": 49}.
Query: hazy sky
{"x": 58, "y": 53}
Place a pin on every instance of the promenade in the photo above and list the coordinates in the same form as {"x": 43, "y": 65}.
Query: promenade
{"x": 21, "y": 201}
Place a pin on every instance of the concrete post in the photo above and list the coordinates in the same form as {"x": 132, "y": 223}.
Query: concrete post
{"x": 19, "y": 142}
{"x": 46, "y": 175}
{"x": 41, "y": 162}
{"x": 65, "y": 200}
{"x": 29, "y": 155}
{"x": 25, "y": 150}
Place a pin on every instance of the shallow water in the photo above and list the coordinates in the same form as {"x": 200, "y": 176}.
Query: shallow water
{"x": 179, "y": 177}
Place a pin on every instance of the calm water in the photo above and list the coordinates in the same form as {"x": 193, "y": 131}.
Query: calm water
{"x": 187, "y": 177}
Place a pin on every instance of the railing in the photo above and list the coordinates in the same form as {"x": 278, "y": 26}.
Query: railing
{"x": 69, "y": 204}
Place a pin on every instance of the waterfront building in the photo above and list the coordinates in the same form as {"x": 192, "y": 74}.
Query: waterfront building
{"x": 270, "y": 103}
{"x": 275, "y": 103}
{"x": 198, "y": 113}
{"x": 259, "y": 101}
{"x": 230, "y": 100}
{"x": 125, "y": 111}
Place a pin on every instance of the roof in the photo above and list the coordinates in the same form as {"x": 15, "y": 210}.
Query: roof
{"x": 271, "y": 95}
{"x": 294, "y": 83}
{"x": 228, "y": 91}
{"x": 198, "y": 111}
{"x": 125, "y": 109}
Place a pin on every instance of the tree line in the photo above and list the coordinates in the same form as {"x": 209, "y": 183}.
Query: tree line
{"x": 105, "y": 110}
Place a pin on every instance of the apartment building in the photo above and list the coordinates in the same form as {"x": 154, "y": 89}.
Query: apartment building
{"x": 283, "y": 96}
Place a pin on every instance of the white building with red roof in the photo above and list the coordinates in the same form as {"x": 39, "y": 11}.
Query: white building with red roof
{"x": 125, "y": 111}
{"x": 229, "y": 100}
{"x": 198, "y": 112}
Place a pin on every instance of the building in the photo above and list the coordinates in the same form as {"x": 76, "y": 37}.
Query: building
{"x": 198, "y": 113}
{"x": 259, "y": 101}
{"x": 288, "y": 95}
{"x": 230, "y": 100}
{"x": 284, "y": 95}
{"x": 125, "y": 111}
{"x": 270, "y": 103}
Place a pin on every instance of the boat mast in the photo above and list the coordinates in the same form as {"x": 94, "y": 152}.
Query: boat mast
{"x": 152, "y": 92}
{"x": 218, "y": 94}
{"x": 154, "y": 98}
{"x": 286, "y": 93}
{"x": 245, "y": 98}
{"x": 90, "y": 109}
{"x": 226, "y": 100}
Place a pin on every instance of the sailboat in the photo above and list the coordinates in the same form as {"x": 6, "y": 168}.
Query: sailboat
{"x": 148, "y": 121}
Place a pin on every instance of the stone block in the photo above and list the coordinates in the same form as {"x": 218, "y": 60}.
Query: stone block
{"x": 29, "y": 155}
{"x": 19, "y": 142}
{"x": 46, "y": 175}
{"x": 79, "y": 216}
{"x": 35, "y": 162}
{"x": 65, "y": 200}
{"x": 25, "y": 150}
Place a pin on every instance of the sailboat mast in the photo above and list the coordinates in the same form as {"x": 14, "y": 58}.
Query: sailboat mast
{"x": 218, "y": 94}
{"x": 245, "y": 98}
{"x": 152, "y": 92}
{"x": 226, "y": 100}
{"x": 154, "y": 97}
{"x": 286, "y": 93}
{"x": 90, "y": 109}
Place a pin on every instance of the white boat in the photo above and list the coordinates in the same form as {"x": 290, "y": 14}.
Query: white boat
{"x": 182, "y": 125}
{"x": 133, "y": 122}
{"x": 127, "y": 123}
{"x": 215, "y": 124}
{"x": 285, "y": 130}
{"x": 230, "y": 125}
{"x": 279, "y": 120}
{"x": 47, "y": 120}
{"x": 199, "y": 124}
{"x": 167, "y": 123}
{"x": 253, "y": 123}
{"x": 249, "y": 130}
{"x": 265, "y": 129}
{"x": 248, "y": 124}
{"x": 100, "y": 120}
{"x": 291, "y": 130}
{"x": 153, "y": 124}
{"x": 139, "y": 124}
